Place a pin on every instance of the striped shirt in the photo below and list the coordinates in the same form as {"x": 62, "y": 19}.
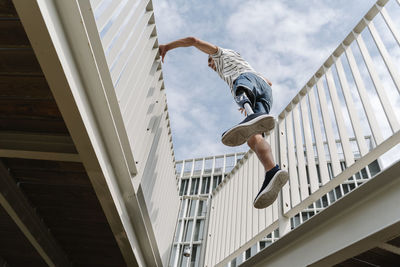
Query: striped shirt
{"x": 229, "y": 65}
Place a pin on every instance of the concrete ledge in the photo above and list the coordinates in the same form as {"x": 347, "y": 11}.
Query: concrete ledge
{"x": 355, "y": 223}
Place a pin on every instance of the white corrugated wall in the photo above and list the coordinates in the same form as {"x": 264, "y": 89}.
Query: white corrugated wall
{"x": 128, "y": 35}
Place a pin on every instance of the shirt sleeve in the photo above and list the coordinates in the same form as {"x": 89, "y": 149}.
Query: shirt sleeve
{"x": 218, "y": 54}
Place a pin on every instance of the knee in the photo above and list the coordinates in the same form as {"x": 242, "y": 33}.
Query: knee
{"x": 254, "y": 141}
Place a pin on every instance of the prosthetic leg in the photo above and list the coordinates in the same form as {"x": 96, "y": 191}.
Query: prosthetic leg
{"x": 254, "y": 123}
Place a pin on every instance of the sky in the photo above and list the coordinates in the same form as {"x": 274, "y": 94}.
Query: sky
{"x": 285, "y": 40}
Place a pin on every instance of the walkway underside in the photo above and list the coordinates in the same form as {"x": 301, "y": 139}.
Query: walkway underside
{"x": 362, "y": 227}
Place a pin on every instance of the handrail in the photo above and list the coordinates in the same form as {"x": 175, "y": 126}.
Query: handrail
{"x": 317, "y": 116}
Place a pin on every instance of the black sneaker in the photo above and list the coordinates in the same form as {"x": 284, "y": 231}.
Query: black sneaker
{"x": 274, "y": 180}
{"x": 256, "y": 123}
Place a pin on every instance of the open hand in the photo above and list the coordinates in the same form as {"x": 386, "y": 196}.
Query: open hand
{"x": 163, "y": 51}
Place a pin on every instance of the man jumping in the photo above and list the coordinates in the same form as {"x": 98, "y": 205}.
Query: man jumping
{"x": 253, "y": 93}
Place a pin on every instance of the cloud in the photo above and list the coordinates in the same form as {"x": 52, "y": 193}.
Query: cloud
{"x": 285, "y": 40}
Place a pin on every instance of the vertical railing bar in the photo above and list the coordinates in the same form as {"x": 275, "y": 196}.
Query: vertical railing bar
{"x": 337, "y": 109}
{"x": 318, "y": 138}
{"x": 234, "y": 214}
{"x": 283, "y": 164}
{"x": 330, "y": 138}
{"x": 243, "y": 206}
{"x": 211, "y": 229}
{"x": 250, "y": 178}
{"x": 238, "y": 212}
{"x": 273, "y": 149}
{"x": 264, "y": 212}
{"x": 256, "y": 213}
{"x": 224, "y": 211}
{"x": 301, "y": 165}
{"x": 229, "y": 231}
{"x": 385, "y": 55}
{"x": 217, "y": 235}
{"x": 390, "y": 24}
{"x": 373, "y": 123}
{"x": 294, "y": 182}
{"x": 312, "y": 170}
{"x": 387, "y": 107}
{"x": 355, "y": 121}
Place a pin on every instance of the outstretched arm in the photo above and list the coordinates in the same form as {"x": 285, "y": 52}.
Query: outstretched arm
{"x": 186, "y": 42}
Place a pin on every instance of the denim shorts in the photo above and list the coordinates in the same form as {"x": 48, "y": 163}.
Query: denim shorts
{"x": 257, "y": 89}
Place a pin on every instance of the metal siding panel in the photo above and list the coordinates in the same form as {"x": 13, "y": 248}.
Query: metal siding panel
{"x": 132, "y": 39}
{"x": 107, "y": 15}
{"x": 123, "y": 67}
{"x": 120, "y": 22}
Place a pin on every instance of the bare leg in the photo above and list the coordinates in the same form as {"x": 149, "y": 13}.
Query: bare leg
{"x": 263, "y": 151}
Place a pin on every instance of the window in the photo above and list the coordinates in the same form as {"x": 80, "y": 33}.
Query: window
{"x": 208, "y": 166}
{"x": 178, "y": 231}
{"x": 184, "y": 185}
{"x": 192, "y": 208}
{"x": 202, "y": 208}
{"x": 183, "y": 260}
{"x": 216, "y": 181}
{"x": 374, "y": 168}
{"x": 195, "y": 186}
{"x": 183, "y": 207}
{"x": 178, "y": 168}
{"x": 198, "y": 165}
{"x": 230, "y": 163}
{"x": 187, "y": 168}
{"x": 189, "y": 229}
{"x": 205, "y": 186}
{"x": 195, "y": 258}
{"x": 199, "y": 230}
{"x": 262, "y": 245}
{"x": 248, "y": 254}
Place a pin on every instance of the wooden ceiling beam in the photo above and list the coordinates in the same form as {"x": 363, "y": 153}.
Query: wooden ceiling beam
{"x": 37, "y": 146}
{"x": 20, "y": 210}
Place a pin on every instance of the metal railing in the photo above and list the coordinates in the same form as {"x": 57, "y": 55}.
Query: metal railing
{"x": 352, "y": 95}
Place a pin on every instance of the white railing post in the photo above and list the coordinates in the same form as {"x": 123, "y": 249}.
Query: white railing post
{"x": 387, "y": 107}
{"x": 330, "y": 137}
{"x": 373, "y": 123}
{"x": 301, "y": 164}
{"x": 355, "y": 121}
{"x": 337, "y": 109}
{"x": 312, "y": 170}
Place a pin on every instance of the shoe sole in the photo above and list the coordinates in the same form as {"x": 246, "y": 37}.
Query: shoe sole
{"x": 270, "y": 193}
{"x": 239, "y": 134}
